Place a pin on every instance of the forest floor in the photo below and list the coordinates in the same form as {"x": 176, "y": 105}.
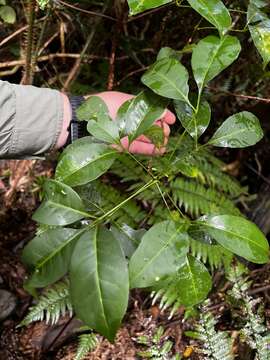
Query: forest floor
{"x": 41, "y": 341}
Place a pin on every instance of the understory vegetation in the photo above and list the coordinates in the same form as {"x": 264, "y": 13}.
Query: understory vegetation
{"x": 111, "y": 223}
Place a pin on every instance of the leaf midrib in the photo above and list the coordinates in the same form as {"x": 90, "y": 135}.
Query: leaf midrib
{"x": 158, "y": 253}
{"x": 183, "y": 96}
{"x": 89, "y": 163}
{"x": 97, "y": 279}
{"x": 235, "y": 235}
{"x": 43, "y": 262}
{"x": 61, "y": 206}
{"x": 222, "y": 40}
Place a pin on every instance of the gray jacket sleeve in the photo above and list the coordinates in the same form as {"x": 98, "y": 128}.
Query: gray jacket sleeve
{"x": 30, "y": 120}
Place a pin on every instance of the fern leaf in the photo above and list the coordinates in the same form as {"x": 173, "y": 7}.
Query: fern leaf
{"x": 215, "y": 255}
{"x": 87, "y": 343}
{"x": 53, "y": 304}
{"x": 198, "y": 200}
{"x": 255, "y": 333}
{"x": 100, "y": 197}
{"x": 216, "y": 344}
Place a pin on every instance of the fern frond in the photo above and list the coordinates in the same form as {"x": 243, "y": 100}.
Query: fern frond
{"x": 55, "y": 302}
{"x": 215, "y": 255}
{"x": 255, "y": 333}
{"x": 214, "y": 176}
{"x": 216, "y": 344}
{"x": 100, "y": 197}
{"x": 87, "y": 343}
{"x": 198, "y": 200}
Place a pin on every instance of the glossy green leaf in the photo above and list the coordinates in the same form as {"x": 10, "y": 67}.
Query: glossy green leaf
{"x": 194, "y": 281}
{"x": 215, "y": 12}
{"x": 168, "y": 78}
{"x": 7, "y": 13}
{"x": 238, "y": 131}
{"x": 194, "y": 123}
{"x": 138, "y": 6}
{"x": 84, "y": 161}
{"x": 120, "y": 116}
{"x": 50, "y": 253}
{"x": 99, "y": 281}
{"x": 238, "y": 235}
{"x": 100, "y": 125}
{"x": 212, "y": 55}
{"x": 161, "y": 252}
{"x": 129, "y": 238}
{"x": 142, "y": 112}
{"x": 61, "y": 205}
{"x": 259, "y": 27}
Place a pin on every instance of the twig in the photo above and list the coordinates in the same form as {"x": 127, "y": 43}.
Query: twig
{"x": 86, "y": 11}
{"x": 17, "y": 32}
{"x": 27, "y": 77}
{"x": 132, "y": 73}
{"x": 50, "y": 57}
{"x": 246, "y": 97}
{"x": 76, "y": 67}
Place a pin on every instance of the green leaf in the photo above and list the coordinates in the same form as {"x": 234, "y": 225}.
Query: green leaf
{"x": 120, "y": 116}
{"x": 215, "y": 12}
{"x": 100, "y": 125}
{"x": 189, "y": 286}
{"x": 259, "y": 27}
{"x": 156, "y": 134}
{"x": 2, "y": 2}
{"x": 212, "y": 55}
{"x": 238, "y": 235}
{"x": 161, "y": 252}
{"x": 238, "y": 131}
{"x": 61, "y": 206}
{"x": 92, "y": 108}
{"x": 129, "y": 238}
{"x": 168, "y": 78}
{"x": 84, "y": 161}
{"x": 194, "y": 123}
{"x": 167, "y": 52}
{"x": 99, "y": 281}
{"x": 8, "y": 14}
{"x": 142, "y": 112}
{"x": 138, "y": 6}
{"x": 50, "y": 253}
{"x": 194, "y": 281}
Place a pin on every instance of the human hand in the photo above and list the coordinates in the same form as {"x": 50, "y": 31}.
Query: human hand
{"x": 142, "y": 145}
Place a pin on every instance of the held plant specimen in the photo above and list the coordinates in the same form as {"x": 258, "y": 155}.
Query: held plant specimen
{"x": 105, "y": 258}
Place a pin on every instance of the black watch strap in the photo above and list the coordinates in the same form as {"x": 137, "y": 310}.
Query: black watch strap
{"x": 77, "y": 129}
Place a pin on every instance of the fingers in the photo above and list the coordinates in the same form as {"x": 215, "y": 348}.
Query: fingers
{"x": 168, "y": 117}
